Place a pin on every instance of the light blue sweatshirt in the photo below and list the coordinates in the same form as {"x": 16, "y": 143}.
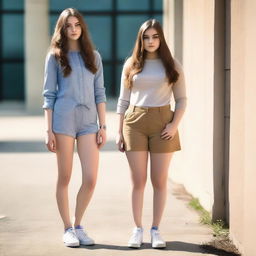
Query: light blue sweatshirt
{"x": 81, "y": 87}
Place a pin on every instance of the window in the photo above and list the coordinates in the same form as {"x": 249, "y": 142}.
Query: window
{"x": 11, "y": 50}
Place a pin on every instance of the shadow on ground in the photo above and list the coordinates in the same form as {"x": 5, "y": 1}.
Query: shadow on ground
{"x": 170, "y": 246}
{"x": 38, "y": 146}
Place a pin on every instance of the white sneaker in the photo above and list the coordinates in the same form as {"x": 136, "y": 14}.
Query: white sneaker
{"x": 70, "y": 239}
{"x": 84, "y": 239}
{"x": 156, "y": 239}
{"x": 136, "y": 238}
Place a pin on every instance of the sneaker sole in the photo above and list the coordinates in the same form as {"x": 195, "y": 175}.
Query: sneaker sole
{"x": 87, "y": 243}
{"x": 134, "y": 245}
{"x": 159, "y": 246}
{"x": 72, "y": 244}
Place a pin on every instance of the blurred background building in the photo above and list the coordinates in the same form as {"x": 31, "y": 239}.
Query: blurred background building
{"x": 26, "y": 28}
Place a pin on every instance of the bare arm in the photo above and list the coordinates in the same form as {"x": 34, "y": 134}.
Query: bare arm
{"x": 178, "y": 114}
{"x": 122, "y": 105}
{"x": 101, "y": 108}
{"x": 179, "y": 92}
{"x": 48, "y": 119}
{"x": 120, "y": 138}
{"x": 50, "y": 137}
{"x": 101, "y": 135}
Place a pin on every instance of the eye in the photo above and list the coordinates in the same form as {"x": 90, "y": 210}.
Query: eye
{"x": 78, "y": 25}
{"x": 145, "y": 37}
{"x": 155, "y": 36}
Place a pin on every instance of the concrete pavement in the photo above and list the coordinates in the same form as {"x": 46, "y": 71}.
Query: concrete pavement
{"x": 29, "y": 221}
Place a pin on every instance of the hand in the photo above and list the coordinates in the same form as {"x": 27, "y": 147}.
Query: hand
{"x": 169, "y": 132}
{"x": 120, "y": 142}
{"x": 50, "y": 141}
{"x": 101, "y": 137}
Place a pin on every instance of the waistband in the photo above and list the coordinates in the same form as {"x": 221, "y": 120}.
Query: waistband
{"x": 149, "y": 109}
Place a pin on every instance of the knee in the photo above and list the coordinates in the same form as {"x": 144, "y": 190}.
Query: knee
{"x": 63, "y": 180}
{"x": 159, "y": 184}
{"x": 89, "y": 184}
{"x": 139, "y": 185}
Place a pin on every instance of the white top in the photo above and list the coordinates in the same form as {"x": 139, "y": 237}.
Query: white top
{"x": 151, "y": 89}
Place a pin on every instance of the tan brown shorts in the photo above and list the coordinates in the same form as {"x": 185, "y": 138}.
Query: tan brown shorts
{"x": 142, "y": 129}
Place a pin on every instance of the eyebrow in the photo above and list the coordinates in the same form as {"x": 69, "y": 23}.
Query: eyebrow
{"x": 71, "y": 23}
{"x": 152, "y": 35}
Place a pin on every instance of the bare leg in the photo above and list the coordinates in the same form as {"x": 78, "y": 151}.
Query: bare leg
{"x": 159, "y": 175}
{"x": 64, "y": 152}
{"x": 89, "y": 156}
{"x": 138, "y": 164}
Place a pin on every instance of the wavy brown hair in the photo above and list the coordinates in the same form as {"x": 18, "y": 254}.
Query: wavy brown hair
{"x": 59, "y": 42}
{"x": 136, "y": 61}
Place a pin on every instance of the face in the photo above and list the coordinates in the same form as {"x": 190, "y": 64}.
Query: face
{"x": 73, "y": 28}
{"x": 151, "y": 40}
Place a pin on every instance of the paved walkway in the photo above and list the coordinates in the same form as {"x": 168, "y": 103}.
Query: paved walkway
{"x": 29, "y": 220}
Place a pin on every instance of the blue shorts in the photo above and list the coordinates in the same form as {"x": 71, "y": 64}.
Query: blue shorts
{"x": 76, "y": 121}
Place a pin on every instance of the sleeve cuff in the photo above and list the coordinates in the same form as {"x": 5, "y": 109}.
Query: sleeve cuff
{"x": 100, "y": 100}
{"x": 48, "y": 105}
{"x": 181, "y": 103}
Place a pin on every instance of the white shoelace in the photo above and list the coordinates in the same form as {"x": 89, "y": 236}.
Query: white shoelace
{"x": 136, "y": 236}
{"x": 81, "y": 233}
{"x": 157, "y": 237}
{"x": 72, "y": 234}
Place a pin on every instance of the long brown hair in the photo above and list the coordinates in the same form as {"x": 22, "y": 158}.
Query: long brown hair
{"x": 136, "y": 62}
{"x": 59, "y": 42}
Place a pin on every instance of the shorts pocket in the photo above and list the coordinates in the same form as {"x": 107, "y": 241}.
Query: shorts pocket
{"x": 167, "y": 116}
{"x": 133, "y": 117}
{"x": 128, "y": 114}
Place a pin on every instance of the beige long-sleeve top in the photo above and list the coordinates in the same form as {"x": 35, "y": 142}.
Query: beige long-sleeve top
{"x": 151, "y": 89}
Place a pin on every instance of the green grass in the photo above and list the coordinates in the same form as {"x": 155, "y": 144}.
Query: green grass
{"x": 218, "y": 227}
{"x": 221, "y": 242}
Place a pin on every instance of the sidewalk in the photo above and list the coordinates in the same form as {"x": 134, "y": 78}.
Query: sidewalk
{"x": 29, "y": 221}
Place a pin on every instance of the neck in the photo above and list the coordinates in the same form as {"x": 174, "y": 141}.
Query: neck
{"x": 152, "y": 55}
{"x": 73, "y": 45}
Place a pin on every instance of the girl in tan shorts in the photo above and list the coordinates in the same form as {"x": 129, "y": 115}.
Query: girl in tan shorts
{"x": 148, "y": 127}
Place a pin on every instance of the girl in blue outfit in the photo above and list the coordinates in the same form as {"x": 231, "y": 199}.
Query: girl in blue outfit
{"x": 74, "y": 97}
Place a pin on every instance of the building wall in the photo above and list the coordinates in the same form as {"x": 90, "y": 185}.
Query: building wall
{"x": 193, "y": 166}
{"x": 243, "y": 126}
{"x": 200, "y": 51}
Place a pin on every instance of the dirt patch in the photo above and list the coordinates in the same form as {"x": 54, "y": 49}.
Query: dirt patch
{"x": 179, "y": 191}
{"x": 221, "y": 246}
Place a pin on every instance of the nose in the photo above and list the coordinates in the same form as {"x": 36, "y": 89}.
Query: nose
{"x": 150, "y": 39}
{"x": 73, "y": 28}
